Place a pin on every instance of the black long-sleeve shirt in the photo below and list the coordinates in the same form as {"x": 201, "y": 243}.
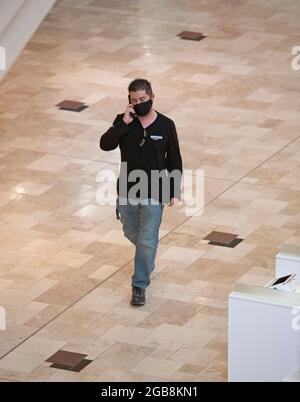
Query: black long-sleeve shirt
{"x": 160, "y": 152}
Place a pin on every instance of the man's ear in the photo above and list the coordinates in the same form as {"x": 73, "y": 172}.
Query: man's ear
{"x": 153, "y": 97}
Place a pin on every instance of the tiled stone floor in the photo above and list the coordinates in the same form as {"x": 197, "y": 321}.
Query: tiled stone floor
{"x": 65, "y": 266}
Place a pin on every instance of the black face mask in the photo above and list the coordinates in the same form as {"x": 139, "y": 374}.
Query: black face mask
{"x": 142, "y": 109}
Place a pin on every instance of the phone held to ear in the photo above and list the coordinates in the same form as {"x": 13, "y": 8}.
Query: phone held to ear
{"x": 133, "y": 115}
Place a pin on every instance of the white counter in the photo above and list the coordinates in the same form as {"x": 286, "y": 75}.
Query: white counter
{"x": 264, "y": 334}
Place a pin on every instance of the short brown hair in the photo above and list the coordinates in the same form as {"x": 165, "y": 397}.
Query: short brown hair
{"x": 140, "y": 84}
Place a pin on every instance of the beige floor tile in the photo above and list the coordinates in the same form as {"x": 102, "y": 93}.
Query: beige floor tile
{"x": 156, "y": 367}
{"x": 115, "y": 237}
{"x": 20, "y": 362}
{"x": 183, "y": 335}
{"x": 65, "y": 265}
{"x": 70, "y": 258}
{"x": 104, "y": 272}
{"x": 182, "y": 254}
{"x": 31, "y": 188}
{"x": 121, "y": 333}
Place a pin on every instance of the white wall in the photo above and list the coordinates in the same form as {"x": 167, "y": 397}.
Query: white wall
{"x": 264, "y": 343}
{"x": 19, "y": 19}
{"x": 8, "y": 9}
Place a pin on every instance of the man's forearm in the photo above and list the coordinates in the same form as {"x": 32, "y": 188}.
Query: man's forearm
{"x": 110, "y": 140}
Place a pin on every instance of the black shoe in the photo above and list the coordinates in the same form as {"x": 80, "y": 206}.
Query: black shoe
{"x": 138, "y": 296}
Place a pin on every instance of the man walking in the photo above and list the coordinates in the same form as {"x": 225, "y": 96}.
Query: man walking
{"x": 150, "y": 176}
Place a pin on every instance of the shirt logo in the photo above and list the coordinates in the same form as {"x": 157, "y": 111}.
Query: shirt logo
{"x": 156, "y": 137}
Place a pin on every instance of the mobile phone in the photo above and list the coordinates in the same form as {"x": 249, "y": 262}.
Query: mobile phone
{"x": 133, "y": 115}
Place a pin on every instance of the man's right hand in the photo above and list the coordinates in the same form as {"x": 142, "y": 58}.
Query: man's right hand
{"x": 128, "y": 118}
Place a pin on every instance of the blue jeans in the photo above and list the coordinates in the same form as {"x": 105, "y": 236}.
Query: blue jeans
{"x": 141, "y": 224}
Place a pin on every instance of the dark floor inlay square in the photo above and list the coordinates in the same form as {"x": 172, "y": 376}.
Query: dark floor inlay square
{"x": 72, "y": 106}
{"x": 66, "y": 359}
{"x": 221, "y": 237}
{"x": 80, "y": 366}
{"x": 234, "y": 243}
{"x": 60, "y": 367}
{"x": 189, "y": 35}
{"x": 77, "y": 368}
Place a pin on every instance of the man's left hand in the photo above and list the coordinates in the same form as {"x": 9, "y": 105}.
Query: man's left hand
{"x": 173, "y": 201}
